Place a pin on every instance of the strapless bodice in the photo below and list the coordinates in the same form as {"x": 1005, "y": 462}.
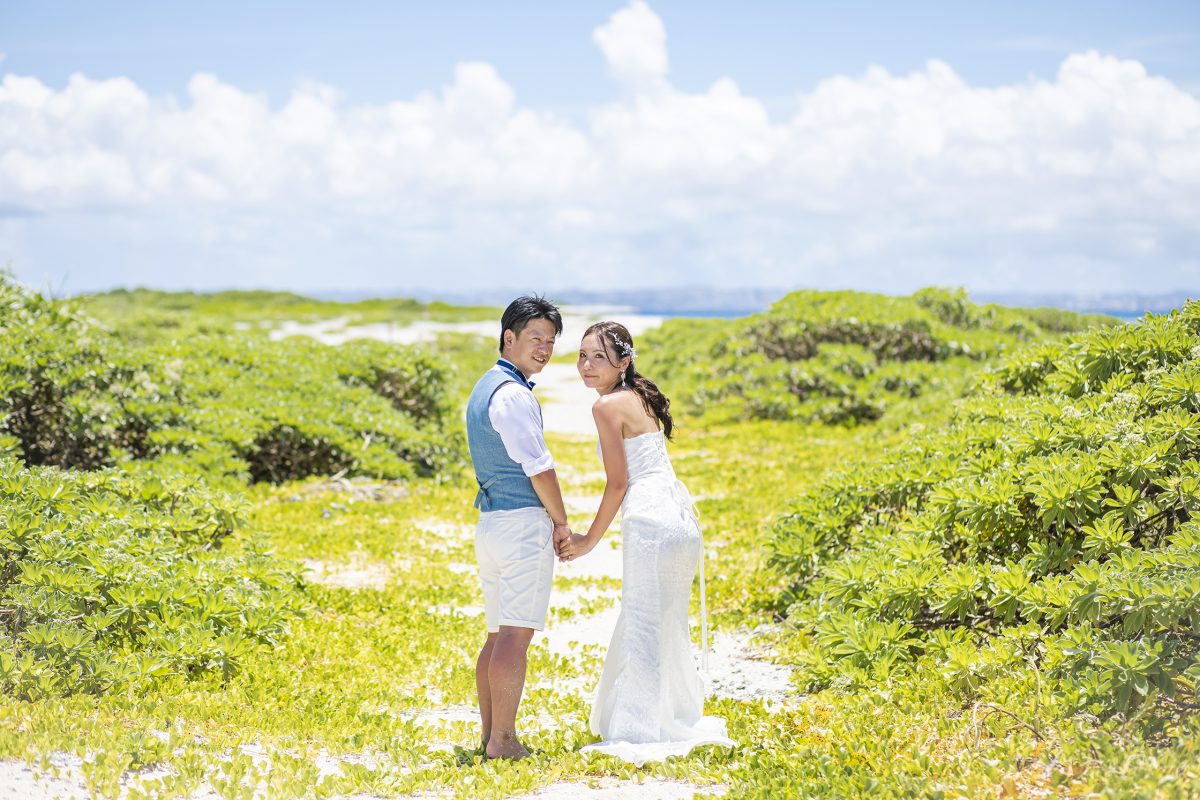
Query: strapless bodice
{"x": 646, "y": 455}
{"x": 652, "y": 480}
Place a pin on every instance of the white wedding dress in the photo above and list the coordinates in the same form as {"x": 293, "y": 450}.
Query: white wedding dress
{"x": 649, "y": 704}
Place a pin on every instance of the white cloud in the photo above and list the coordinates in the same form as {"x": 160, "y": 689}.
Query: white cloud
{"x": 634, "y": 43}
{"x": 875, "y": 181}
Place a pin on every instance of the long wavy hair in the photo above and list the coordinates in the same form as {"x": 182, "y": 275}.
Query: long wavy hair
{"x": 615, "y": 339}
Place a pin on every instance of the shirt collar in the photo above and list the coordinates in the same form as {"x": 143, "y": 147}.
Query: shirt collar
{"x": 511, "y": 368}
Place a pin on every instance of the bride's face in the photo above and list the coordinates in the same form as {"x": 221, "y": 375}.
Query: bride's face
{"x": 595, "y": 364}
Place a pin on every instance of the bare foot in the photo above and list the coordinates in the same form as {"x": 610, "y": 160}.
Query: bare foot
{"x": 505, "y": 745}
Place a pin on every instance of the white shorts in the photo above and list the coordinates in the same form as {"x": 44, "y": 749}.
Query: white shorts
{"x": 515, "y": 551}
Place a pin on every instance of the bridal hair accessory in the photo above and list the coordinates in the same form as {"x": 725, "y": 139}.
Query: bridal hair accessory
{"x": 625, "y": 347}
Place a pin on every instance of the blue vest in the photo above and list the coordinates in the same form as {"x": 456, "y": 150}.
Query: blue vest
{"x": 503, "y": 485}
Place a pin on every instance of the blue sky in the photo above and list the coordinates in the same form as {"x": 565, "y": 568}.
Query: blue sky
{"x": 379, "y": 51}
{"x": 484, "y": 143}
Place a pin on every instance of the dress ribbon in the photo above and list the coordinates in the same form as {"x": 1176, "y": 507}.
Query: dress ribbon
{"x": 691, "y": 514}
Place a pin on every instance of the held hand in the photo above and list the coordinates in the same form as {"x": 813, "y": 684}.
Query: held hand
{"x": 561, "y": 537}
{"x": 562, "y": 532}
{"x": 575, "y": 546}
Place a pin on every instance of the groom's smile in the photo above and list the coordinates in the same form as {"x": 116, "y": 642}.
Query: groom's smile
{"x": 531, "y": 349}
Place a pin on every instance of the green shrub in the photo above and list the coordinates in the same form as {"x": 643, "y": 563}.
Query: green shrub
{"x": 231, "y": 404}
{"x": 1052, "y": 522}
{"x": 838, "y": 357}
{"x": 412, "y": 384}
{"x": 286, "y": 410}
{"x": 109, "y": 581}
{"x": 51, "y": 361}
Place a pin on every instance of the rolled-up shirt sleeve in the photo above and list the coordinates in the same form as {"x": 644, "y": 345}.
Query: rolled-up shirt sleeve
{"x": 515, "y": 415}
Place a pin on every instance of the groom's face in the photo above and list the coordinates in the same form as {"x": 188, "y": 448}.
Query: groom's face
{"x": 530, "y": 350}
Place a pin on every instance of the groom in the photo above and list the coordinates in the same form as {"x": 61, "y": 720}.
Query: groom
{"x": 522, "y": 518}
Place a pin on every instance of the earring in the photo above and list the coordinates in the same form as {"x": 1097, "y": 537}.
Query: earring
{"x": 622, "y": 377}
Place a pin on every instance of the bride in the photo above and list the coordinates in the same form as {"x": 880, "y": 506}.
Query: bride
{"x": 649, "y": 704}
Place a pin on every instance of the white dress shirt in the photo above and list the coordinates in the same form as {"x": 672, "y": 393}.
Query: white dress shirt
{"x": 516, "y": 416}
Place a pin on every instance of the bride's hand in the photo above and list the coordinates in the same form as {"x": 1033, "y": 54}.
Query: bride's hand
{"x": 574, "y": 546}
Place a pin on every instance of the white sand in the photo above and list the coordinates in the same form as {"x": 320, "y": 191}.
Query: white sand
{"x": 614, "y": 789}
{"x": 355, "y": 574}
{"x": 566, "y": 402}
{"x": 19, "y": 782}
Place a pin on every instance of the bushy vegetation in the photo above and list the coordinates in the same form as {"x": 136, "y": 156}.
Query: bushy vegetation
{"x": 111, "y": 581}
{"x": 840, "y": 357}
{"x": 217, "y": 404}
{"x": 1041, "y": 551}
{"x": 115, "y": 569}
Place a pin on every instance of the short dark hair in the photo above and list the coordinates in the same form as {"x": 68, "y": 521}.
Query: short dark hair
{"x": 523, "y": 309}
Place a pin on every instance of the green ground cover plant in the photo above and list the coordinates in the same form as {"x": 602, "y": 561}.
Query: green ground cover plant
{"x": 841, "y": 357}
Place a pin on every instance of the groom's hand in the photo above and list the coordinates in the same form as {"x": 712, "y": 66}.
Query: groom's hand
{"x": 562, "y": 532}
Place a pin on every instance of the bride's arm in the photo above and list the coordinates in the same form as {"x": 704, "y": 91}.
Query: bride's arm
{"x": 616, "y": 474}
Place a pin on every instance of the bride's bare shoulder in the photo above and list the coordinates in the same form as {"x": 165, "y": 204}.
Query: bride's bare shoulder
{"x": 606, "y": 405}
{"x": 615, "y": 404}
